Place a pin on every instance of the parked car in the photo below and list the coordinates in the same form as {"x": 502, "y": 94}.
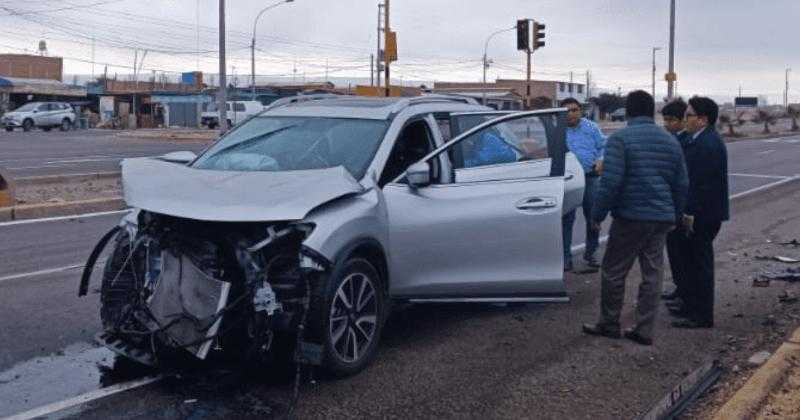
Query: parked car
{"x": 618, "y": 115}
{"x": 297, "y": 228}
{"x": 236, "y": 112}
{"x": 44, "y": 115}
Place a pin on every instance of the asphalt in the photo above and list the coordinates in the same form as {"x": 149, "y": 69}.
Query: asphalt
{"x": 79, "y": 151}
{"x": 435, "y": 360}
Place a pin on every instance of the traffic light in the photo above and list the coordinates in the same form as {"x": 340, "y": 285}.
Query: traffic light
{"x": 523, "y": 35}
{"x": 538, "y": 35}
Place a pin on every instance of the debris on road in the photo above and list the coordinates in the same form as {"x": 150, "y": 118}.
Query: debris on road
{"x": 779, "y": 258}
{"x": 759, "y": 358}
{"x": 790, "y": 275}
{"x": 793, "y": 242}
{"x": 787, "y": 297}
{"x": 761, "y": 282}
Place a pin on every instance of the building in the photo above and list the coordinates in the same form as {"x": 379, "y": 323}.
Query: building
{"x": 498, "y": 98}
{"x": 543, "y": 92}
{"x": 29, "y": 78}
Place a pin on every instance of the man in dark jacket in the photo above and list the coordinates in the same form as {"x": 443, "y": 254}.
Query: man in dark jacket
{"x": 706, "y": 209}
{"x": 644, "y": 186}
{"x": 673, "y": 114}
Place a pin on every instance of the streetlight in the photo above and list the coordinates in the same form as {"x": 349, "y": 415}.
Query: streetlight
{"x": 486, "y": 61}
{"x": 654, "y": 70}
{"x": 253, "y": 43}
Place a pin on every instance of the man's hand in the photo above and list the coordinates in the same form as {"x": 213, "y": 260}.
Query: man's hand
{"x": 598, "y": 167}
{"x": 688, "y": 223}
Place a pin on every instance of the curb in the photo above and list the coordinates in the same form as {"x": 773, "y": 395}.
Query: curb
{"x": 751, "y": 397}
{"x": 60, "y": 179}
{"x": 36, "y": 211}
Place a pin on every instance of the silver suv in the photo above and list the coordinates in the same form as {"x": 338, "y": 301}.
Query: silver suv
{"x": 298, "y": 228}
{"x": 44, "y": 115}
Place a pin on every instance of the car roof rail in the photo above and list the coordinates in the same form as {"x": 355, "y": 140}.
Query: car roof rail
{"x": 432, "y": 98}
{"x": 300, "y": 98}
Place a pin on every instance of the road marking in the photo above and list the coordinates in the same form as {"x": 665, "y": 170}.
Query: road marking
{"x": 765, "y": 187}
{"x": 85, "y": 398}
{"x": 761, "y": 176}
{"x": 765, "y": 152}
{"x": 40, "y": 272}
{"x": 60, "y": 218}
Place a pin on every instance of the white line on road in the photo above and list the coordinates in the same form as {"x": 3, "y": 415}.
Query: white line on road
{"x": 59, "y": 218}
{"x": 84, "y": 398}
{"x": 41, "y": 272}
{"x": 761, "y": 176}
{"x": 765, "y": 187}
{"x": 765, "y": 152}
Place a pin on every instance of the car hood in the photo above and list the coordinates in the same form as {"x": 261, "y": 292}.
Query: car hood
{"x": 228, "y": 196}
{"x": 15, "y": 114}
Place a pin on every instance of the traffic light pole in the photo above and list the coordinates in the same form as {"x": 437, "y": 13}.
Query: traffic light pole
{"x": 528, "y": 82}
{"x": 671, "y": 82}
{"x": 222, "y": 95}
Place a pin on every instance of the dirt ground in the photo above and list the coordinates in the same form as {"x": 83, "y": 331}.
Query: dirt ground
{"x": 784, "y": 403}
{"x": 68, "y": 191}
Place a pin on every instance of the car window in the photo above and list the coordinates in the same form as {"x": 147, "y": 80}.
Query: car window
{"x": 414, "y": 142}
{"x": 238, "y": 107}
{"x": 44, "y": 107}
{"x": 272, "y": 144}
{"x": 513, "y": 141}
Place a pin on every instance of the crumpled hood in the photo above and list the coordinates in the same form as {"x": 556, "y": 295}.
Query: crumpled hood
{"x": 14, "y": 115}
{"x": 227, "y": 196}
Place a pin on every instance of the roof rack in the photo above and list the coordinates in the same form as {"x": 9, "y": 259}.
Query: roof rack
{"x": 432, "y": 98}
{"x": 300, "y": 98}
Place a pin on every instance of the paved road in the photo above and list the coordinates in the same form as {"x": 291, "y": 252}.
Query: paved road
{"x": 46, "y": 325}
{"x": 81, "y": 151}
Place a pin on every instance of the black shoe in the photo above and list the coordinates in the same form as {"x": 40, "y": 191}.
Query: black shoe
{"x": 638, "y": 338}
{"x": 679, "y": 312}
{"x": 601, "y": 330}
{"x": 692, "y": 324}
{"x": 591, "y": 261}
{"x": 670, "y": 296}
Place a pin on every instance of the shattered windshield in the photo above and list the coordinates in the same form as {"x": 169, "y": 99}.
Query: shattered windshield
{"x": 297, "y": 143}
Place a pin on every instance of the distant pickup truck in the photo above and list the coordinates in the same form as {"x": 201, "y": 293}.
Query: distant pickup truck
{"x": 236, "y": 112}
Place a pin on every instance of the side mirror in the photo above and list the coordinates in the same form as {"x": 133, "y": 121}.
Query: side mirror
{"x": 183, "y": 157}
{"x": 419, "y": 175}
{"x": 35, "y": 111}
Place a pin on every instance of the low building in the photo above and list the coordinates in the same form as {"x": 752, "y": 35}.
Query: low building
{"x": 28, "y": 78}
{"x": 543, "y": 92}
{"x": 497, "y": 98}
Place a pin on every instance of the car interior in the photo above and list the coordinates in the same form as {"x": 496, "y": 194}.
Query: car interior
{"x": 414, "y": 142}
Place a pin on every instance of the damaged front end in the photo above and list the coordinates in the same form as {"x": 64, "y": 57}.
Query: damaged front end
{"x": 173, "y": 285}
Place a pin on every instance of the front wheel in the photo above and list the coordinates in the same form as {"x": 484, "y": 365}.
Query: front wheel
{"x": 27, "y": 125}
{"x": 349, "y": 315}
{"x": 9, "y": 128}
{"x": 65, "y": 124}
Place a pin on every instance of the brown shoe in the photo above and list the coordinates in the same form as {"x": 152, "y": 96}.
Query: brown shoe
{"x": 634, "y": 336}
{"x": 601, "y": 330}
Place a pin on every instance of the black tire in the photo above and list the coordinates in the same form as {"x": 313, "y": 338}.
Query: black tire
{"x": 328, "y": 315}
{"x": 212, "y": 126}
{"x": 66, "y": 124}
{"x": 27, "y": 125}
{"x": 9, "y": 129}
{"x": 120, "y": 285}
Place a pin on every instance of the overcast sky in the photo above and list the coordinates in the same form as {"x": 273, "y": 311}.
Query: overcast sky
{"x": 720, "y": 44}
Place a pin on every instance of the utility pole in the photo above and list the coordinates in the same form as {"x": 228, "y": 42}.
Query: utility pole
{"x": 197, "y": 39}
{"x": 786, "y": 92}
{"x": 385, "y": 38}
{"x": 92, "y": 58}
{"x": 253, "y": 45}
{"x": 378, "y": 55}
{"x": 671, "y": 74}
{"x": 529, "y": 53}
{"x": 222, "y": 96}
{"x": 588, "y": 85}
{"x": 486, "y": 58}
{"x": 654, "y": 71}
{"x": 372, "y": 69}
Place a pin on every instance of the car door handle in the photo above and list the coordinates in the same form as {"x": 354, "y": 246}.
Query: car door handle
{"x": 536, "y": 203}
{"x": 569, "y": 176}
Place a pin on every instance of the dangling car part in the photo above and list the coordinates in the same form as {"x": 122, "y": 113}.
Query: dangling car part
{"x": 298, "y": 227}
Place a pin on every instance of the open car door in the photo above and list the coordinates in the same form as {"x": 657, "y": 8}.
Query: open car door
{"x": 479, "y": 219}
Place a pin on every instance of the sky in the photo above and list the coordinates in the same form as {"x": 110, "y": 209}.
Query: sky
{"x": 720, "y": 44}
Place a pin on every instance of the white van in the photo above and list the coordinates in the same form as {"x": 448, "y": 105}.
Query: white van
{"x": 236, "y": 112}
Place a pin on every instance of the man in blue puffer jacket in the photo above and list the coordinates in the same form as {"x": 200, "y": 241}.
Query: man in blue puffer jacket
{"x": 644, "y": 186}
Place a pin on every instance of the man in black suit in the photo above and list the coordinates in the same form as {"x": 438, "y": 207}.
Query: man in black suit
{"x": 673, "y": 114}
{"x": 706, "y": 209}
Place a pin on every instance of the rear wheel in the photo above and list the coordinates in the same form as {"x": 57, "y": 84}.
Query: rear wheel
{"x": 65, "y": 124}
{"x": 348, "y": 317}
{"x": 9, "y": 128}
{"x": 27, "y": 125}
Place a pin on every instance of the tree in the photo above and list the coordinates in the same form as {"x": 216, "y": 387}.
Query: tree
{"x": 766, "y": 117}
{"x": 607, "y": 102}
{"x": 731, "y": 121}
{"x": 794, "y": 113}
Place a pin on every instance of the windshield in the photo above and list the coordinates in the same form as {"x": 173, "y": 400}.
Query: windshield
{"x": 297, "y": 143}
{"x": 28, "y": 107}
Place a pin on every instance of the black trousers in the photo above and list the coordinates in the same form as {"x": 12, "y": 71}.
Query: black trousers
{"x": 699, "y": 271}
{"x": 677, "y": 252}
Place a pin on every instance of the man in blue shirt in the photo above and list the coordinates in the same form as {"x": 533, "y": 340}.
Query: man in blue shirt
{"x": 489, "y": 149}
{"x": 586, "y": 141}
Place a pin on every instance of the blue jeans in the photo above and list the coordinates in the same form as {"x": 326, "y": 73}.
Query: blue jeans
{"x": 568, "y": 221}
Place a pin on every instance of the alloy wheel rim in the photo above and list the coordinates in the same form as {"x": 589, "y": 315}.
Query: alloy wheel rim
{"x": 353, "y": 317}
